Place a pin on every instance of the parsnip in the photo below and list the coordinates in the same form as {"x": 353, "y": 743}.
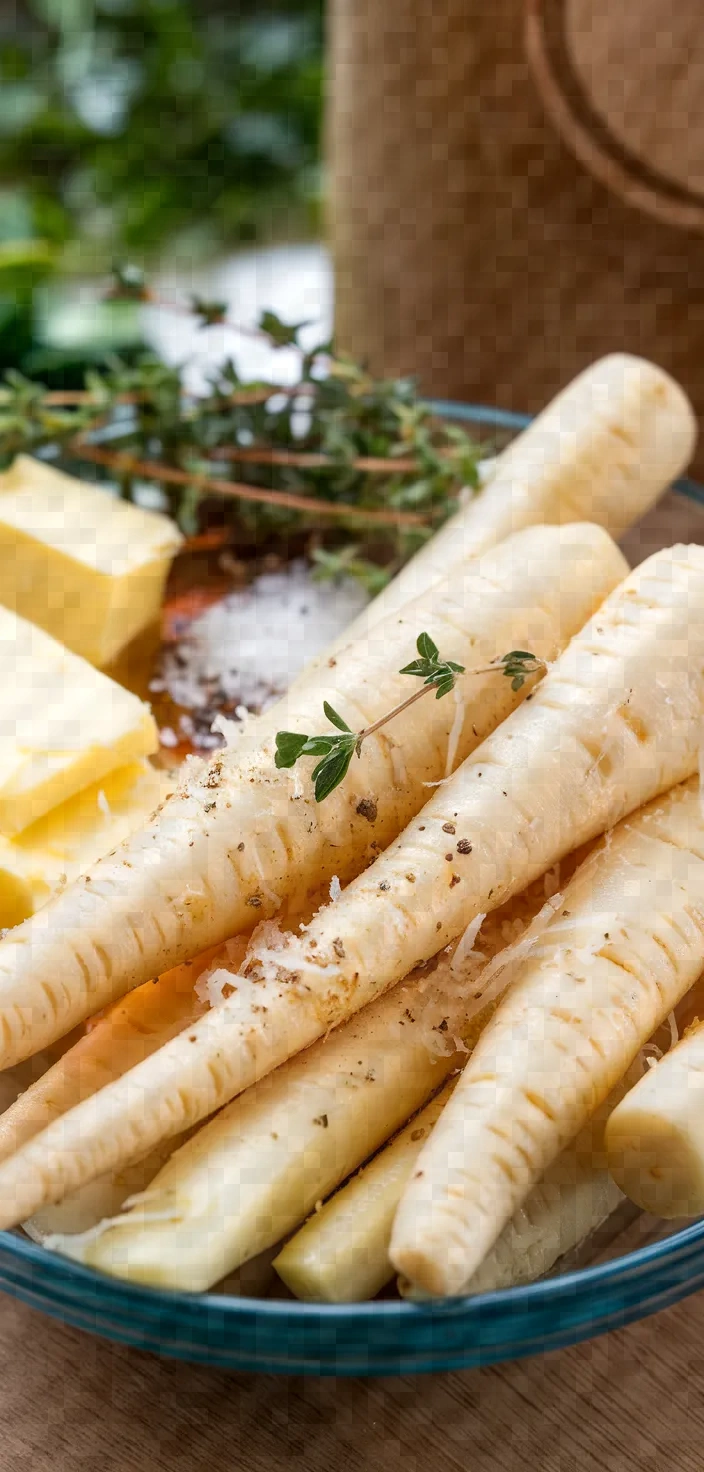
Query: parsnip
{"x": 82, "y": 1211}
{"x": 604, "y": 449}
{"x": 131, "y": 1030}
{"x": 615, "y": 722}
{"x": 575, "y": 1197}
{"x": 655, "y": 1138}
{"x": 239, "y": 837}
{"x": 254, "y": 1171}
{"x": 341, "y": 1255}
{"x": 624, "y": 947}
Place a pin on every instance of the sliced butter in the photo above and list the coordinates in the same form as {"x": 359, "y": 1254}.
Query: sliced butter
{"x": 63, "y": 725}
{"x": 82, "y": 564}
{"x": 63, "y": 844}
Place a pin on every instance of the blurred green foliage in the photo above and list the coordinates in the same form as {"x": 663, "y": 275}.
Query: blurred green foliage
{"x": 127, "y": 125}
{"x": 150, "y": 128}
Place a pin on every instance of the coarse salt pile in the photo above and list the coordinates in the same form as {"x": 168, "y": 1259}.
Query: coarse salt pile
{"x": 247, "y": 649}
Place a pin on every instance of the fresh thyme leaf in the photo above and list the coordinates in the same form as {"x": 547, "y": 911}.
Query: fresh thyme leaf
{"x": 208, "y": 313}
{"x": 187, "y": 514}
{"x": 282, "y": 334}
{"x": 348, "y": 563}
{"x": 325, "y": 745}
{"x": 128, "y": 283}
{"x": 333, "y": 716}
{"x": 331, "y": 772}
{"x": 289, "y": 745}
{"x": 518, "y": 665}
{"x": 426, "y": 647}
{"x": 431, "y": 669}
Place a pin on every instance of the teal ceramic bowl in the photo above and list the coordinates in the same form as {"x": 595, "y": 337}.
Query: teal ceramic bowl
{"x": 386, "y": 1337}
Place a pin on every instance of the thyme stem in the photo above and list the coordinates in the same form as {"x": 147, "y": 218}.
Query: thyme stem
{"x": 440, "y": 675}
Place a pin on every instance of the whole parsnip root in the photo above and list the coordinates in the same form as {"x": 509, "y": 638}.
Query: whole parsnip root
{"x": 341, "y": 1255}
{"x": 624, "y": 947}
{"x": 240, "y": 837}
{"x": 615, "y": 722}
{"x": 603, "y": 450}
{"x": 251, "y": 1174}
{"x": 82, "y": 1211}
{"x": 655, "y": 1138}
{"x": 130, "y": 1031}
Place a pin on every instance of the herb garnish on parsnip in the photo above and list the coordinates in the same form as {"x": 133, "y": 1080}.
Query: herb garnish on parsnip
{"x": 436, "y": 673}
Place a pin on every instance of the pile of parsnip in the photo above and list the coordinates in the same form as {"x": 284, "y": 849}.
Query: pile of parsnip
{"x": 464, "y": 950}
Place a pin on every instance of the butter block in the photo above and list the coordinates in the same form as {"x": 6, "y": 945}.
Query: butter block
{"x": 63, "y": 724}
{"x": 85, "y": 566}
{"x": 64, "y": 843}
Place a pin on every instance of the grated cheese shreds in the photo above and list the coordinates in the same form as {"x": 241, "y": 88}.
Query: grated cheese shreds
{"x": 229, "y": 730}
{"x": 650, "y": 1055}
{"x": 455, "y": 731}
{"x": 495, "y": 976}
{"x": 397, "y": 763}
{"x": 335, "y": 889}
{"x": 214, "y": 987}
{"x": 701, "y": 767}
{"x": 103, "y": 804}
{"x": 465, "y": 945}
{"x": 269, "y": 893}
{"x": 69, "y": 1244}
{"x": 674, "y": 1030}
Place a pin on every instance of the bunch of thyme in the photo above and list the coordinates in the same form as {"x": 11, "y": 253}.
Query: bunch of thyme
{"x": 357, "y": 469}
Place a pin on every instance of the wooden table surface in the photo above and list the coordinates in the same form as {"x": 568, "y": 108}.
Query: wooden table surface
{"x": 630, "y": 1402}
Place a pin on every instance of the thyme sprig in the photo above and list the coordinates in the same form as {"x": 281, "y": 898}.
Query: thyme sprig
{"x": 338, "y": 458}
{"x": 337, "y": 749}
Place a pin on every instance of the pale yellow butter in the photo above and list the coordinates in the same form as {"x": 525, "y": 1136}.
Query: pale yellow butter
{"x": 63, "y": 844}
{"x": 63, "y": 724}
{"x": 82, "y": 564}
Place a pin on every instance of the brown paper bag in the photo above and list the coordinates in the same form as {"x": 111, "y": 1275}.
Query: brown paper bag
{"x": 518, "y": 187}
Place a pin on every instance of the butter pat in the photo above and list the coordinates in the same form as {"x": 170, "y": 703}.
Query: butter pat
{"x": 63, "y": 844}
{"x": 82, "y": 564}
{"x": 63, "y": 724}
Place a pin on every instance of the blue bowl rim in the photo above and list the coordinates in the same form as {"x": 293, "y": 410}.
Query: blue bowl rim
{"x": 511, "y": 419}
{"x": 555, "y": 1292}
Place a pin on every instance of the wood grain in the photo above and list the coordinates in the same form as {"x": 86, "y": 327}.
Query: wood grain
{"x": 630, "y": 1402}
